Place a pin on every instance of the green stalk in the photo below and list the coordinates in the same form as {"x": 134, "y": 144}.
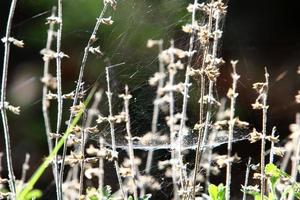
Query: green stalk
{"x": 41, "y": 169}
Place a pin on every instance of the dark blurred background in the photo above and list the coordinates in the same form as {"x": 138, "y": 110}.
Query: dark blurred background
{"x": 257, "y": 33}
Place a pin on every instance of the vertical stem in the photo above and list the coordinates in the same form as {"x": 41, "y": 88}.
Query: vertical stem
{"x": 156, "y": 108}
{"x": 112, "y": 131}
{"x": 186, "y": 90}
{"x": 296, "y": 151}
{"x": 82, "y": 162}
{"x": 264, "y": 133}
{"x": 271, "y": 160}
{"x": 25, "y": 167}
{"x": 45, "y": 102}
{"x": 246, "y": 178}
{"x": 201, "y": 108}
{"x": 101, "y": 167}
{"x": 126, "y": 97}
{"x": 233, "y": 97}
{"x": 59, "y": 91}
{"x": 172, "y": 71}
{"x": 80, "y": 77}
{"x": 12, "y": 184}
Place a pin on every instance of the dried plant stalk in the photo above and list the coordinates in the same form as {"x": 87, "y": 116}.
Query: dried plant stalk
{"x": 156, "y": 107}
{"x": 126, "y": 98}
{"x": 186, "y": 91}
{"x": 59, "y": 92}
{"x": 7, "y": 43}
{"x": 296, "y": 157}
{"x": 264, "y": 133}
{"x": 112, "y": 131}
{"x": 91, "y": 40}
{"x": 246, "y": 178}
{"x": 82, "y": 149}
{"x": 271, "y": 159}
{"x": 46, "y": 102}
{"x": 232, "y": 94}
{"x": 172, "y": 72}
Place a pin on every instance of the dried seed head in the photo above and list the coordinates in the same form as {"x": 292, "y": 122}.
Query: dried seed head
{"x": 156, "y": 78}
{"x": 255, "y": 136}
{"x": 96, "y": 51}
{"x": 17, "y": 43}
{"x": 53, "y": 20}
{"x": 112, "y": 3}
{"x": 297, "y": 97}
{"x": 279, "y": 151}
{"x": 78, "y": 108}
{"x": 48, "y": 54}
{"x": 257, "y": 106}
{"x": 91, "y": 172}
{"x": 151, "y": 43}
{"x": 49, "y": 81}
{"x": 127, "y": 162}
{"x": 241, "y": 124}
{"x": 14, "y": 109}
{"x": 212, "y": 72}
{"x": 92, "y": 130}
{"x": 125, "y": 171}
{"x": 107, "y": 21}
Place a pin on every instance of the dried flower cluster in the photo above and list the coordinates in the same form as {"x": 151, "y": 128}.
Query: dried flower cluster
{"x": 80, "y": 167}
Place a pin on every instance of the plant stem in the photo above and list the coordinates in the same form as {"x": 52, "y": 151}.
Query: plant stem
{"x": 296, "y": 151}
{"x": 126, "y": 97}
{"x": 271, "y": 160}
{"x": 233, "y": 97}
{"x": 12, "y": 184}
{"x": 186, "y": 91}
{"x": 45, "y": 102}
{"x": 246, "y": 178}
{"x": 201, "y": 108}
{"x": 155, "y": 108}
{"x": 80, "y": 78}
{"x": 172, "y": 71}
{"x": 82, "y": 162}
{"x": 112, "y": 131}
{"x": 264, "y": 133}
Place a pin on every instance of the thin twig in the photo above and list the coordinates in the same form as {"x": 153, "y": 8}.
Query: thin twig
{"x": 82, "y": 162}
{"x": 7, "y": 43}
{"x": 232, "y": 94}
{"x": 46, "y": 102}
{"x": 296, "y": 151}
{"x": 80, "y": 78}
{"x": 59, "y": 91}
{"x": 186, "y": 91}
{"x": 126, "y": 98}
{"x": 264, "y": 133}
{"x": 156, "y": 107}
{"x": 172, "y": 71}
{"x": 271, "y": 160}
{"x": 246, "y": 178}
{"x": 201, "y": 108}
{"x": 25, "y": 168}
{"x": 112, "y": 131}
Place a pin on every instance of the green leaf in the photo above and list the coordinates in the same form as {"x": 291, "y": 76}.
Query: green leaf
{"x": 41, "y": 169}
{"x": 217, "y": 192}
{"x": 106, "y": 192}
{"x": 272, "y": 170}
{"x": 213, "y": 192}
{"x": 130, "y": 198}
{"x": 33, "y": 194}
{"x": 221, "y": 192}
{"x": 146, "y": 197}
{"x": 257, "y": 197}
{"x": 273, "y": 173}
